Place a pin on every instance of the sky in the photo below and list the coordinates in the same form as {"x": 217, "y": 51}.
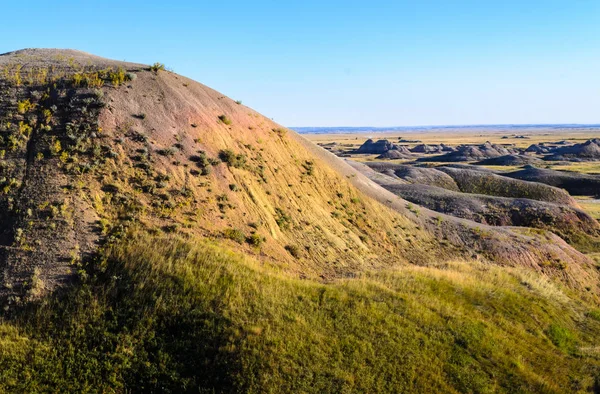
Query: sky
{"x": 349, "y": 63}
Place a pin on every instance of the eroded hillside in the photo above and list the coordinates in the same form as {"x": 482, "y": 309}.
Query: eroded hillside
{"x": 93, "y": 146}
{"x": 158, "y": 236}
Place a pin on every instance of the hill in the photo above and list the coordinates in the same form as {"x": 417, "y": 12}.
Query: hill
{"x": 162, "y": 151}
{"x": 158, "y": 236}
{"x": 575, "y": 183}
{"x": 587, "y": 151}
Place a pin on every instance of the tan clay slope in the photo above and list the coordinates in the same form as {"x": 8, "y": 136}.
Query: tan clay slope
{"x": 188, "y": 112}
{"x": 328, "y": 227}
{"x": 173, "y": 155}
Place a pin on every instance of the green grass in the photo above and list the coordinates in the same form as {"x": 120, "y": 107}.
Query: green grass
{"x": 589, "y": 167}
{"x": 188, "y": 316}
{"x": 590, "y": 206}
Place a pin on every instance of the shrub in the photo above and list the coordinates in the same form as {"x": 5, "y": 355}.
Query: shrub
{"x": 167, "y": 152}
{"x": 283, "y": 219}
{"x": 206, "y": 171}
{"x": 55, "y": 147}
{"x": 117, "y": 77}
{"x": 232, "y": 159}
{"x": 255, "y": 239}
{"x": 235, "y": 235}
{"x": 309, "y": 166}
{"x": 413, "y": 208}
{"x": 203, "y": 162}
{"x": 225, "y": 119}
{"x": 24, "y": 106}
{"x": 293, "y": 250}
{"x": 156, "y": 67}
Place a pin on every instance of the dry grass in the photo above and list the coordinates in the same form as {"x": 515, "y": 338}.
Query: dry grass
{"x": 592, "y": 167}
{"x": 591, "y": 206}
{"x": 191, "y": 316}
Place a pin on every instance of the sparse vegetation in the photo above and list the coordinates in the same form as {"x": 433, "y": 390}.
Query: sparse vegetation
{"x": 293, "y": 250}
{"x": 232, "y": 159}
{"x": 235, "y": 235}
{"x": 169, "y": 152}
{"x": 156, "y": 67}
{"x": 255, "y": 239}
{"x": 282, "y": 218}
{"x": 225, "y": 120}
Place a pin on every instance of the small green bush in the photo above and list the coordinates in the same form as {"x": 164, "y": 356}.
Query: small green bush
{"x": 225, "y": 119}
{"x": 283, "y": 219}
{"x": 156, "y": 67}
{"x": 255, "y": 240}
{"x": 235, "y": 235}
{"x": 24, "y": 106}
{"x": 167, "y": 152}
{"x": 309, "y": 166}
{"x": 293, "y": 250}
{"x": 232, "y": 159}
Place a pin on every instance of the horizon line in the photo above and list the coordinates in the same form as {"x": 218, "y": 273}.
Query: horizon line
{"x": 451, "y": 125}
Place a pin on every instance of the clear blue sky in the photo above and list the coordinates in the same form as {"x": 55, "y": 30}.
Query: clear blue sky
{"x": 349, "y": 63}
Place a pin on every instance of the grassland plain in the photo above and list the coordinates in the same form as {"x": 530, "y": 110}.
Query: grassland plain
{"x": 455, "y": 137}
